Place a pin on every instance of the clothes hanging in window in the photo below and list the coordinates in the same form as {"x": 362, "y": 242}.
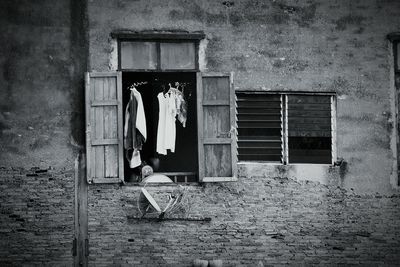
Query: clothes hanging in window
{"x": 181, "y": 108}
{"x": 162, "y": 104}
{"x": 135, "y": 131}
{"x": 166, "y": 131}
{"x": 170, "y": 125}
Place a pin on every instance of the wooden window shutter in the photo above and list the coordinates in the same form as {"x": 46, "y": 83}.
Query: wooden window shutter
{"x": 216, "y": 128}
{"x": 104, "y": 129}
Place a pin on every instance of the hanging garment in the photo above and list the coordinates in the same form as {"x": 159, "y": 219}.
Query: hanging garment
{"x": 135, "y": 132}
{"x": 181, "y": 108}
{"x": 131, "y": 139}
{"x": 166, "y": 131}
{"x": 135, "y": 160}
{"x": 140, "y": 117}
{"x": 162, "y": 104}
{"x": 170, "y": 126}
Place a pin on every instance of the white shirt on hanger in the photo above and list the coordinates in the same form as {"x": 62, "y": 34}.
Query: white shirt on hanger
{"x": 162, "y": 104}
{"x": 166, "y": 132}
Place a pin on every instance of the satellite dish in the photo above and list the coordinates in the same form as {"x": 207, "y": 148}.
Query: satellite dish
{"x": 148, "y": 205}
{"x": 157, "y": 178}
{"x": 151, "y": 200}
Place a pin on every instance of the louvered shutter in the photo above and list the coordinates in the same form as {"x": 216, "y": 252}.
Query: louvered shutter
{"x": 260, "y": 127}
{"x": 216, "y": 128}
{"x": 104, "y": 129}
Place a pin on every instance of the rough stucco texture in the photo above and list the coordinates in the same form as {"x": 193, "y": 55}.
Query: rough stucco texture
{"x": 41, "y": 84}
{"x": 277, "y": 221}
{"x": 315, "y": 45}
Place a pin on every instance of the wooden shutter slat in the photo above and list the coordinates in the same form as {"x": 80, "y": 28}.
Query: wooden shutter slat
{"x": 104, "y": 127}
{"x": 216, "y": 103}
{"x": 261, "y": 158}
{"x": 210, "y": 141}
{"x": 110, "y": 128}
{"x": 260, "y": 150}
{"x": 266, "y": 138}
{"x": 252, "y": 105}
{"x": 265, "y": 100}
{"x": 98, "y": 129}
{"x": 97, "y": 103}
{"x": 259, "y": 145}
{"x": 106, "y": 180}
{"x": 102, "y": 142}
{"x": 259, "y": 125}
{"x": 259, "y": 121}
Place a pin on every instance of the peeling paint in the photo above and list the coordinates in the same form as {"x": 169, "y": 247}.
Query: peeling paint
{"x": 202, "y": 55}
{"x": 113, "y": 55}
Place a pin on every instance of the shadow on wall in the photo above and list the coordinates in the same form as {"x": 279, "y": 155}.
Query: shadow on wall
{"x": 79, "y": 56}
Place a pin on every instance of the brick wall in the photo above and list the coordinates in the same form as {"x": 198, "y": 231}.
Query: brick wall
{"x": 272, "y": 220}
{"x": 36, "y": 217}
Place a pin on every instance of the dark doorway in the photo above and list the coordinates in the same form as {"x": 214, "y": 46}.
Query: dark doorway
{"x": 184, "y": 159}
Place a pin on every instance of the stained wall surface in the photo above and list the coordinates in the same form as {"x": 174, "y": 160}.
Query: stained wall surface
{"x": 325, "y": 46}
{"x": 42, "y": 60}
{"x": 274, "y": 214}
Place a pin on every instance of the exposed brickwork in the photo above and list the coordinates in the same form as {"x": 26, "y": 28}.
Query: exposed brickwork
{"x": 36, "y": 217}
{"x": 273, "y": 220}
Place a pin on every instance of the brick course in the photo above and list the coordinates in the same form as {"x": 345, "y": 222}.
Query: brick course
{"x": 273, "y": 220}
{"x": 36, "y": 217}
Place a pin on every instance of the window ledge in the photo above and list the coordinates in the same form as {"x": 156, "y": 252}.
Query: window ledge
{"x": 157, "y": 35}
{"x": 281, "y": 164}
{"x": 136, "y": 184}
{"x": 219, "y": 179}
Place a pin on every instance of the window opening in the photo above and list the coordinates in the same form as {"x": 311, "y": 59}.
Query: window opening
{"x": 285, "y": 128}
{"x": 309, "y": 129}
{"x": 182, "y": 165}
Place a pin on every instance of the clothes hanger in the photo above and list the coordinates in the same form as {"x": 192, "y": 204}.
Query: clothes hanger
{"x": 134, "y": 85}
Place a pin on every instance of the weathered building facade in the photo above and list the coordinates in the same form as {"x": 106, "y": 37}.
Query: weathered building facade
{"x": 342, "y": 212}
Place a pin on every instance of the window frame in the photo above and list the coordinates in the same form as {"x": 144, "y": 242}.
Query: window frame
{"x": 195, "y": 38}
{"x": 159, "y": 38}
{"x": 285, "y": 135}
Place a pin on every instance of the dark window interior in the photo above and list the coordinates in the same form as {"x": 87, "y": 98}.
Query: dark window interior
{"x": 309, "y": 128}
{"x": 259, "y": 127}
{"x": 185, "y": 157}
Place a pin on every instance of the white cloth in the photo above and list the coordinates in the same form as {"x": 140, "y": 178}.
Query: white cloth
{"x": 126, "y": 124}
{"x": 166, "y": 130}
{"x": 135, "y": 160}
{"x": 162, "y": 104}
{"x": 140, "y": 118}
{"x": 140, "y": 124}
{"x": 170, "y": 125}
